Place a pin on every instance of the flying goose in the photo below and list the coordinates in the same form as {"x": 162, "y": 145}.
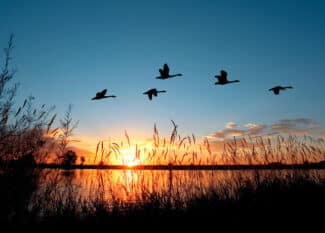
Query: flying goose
{"x": 101, "y": 95}
{"x": 277, "y": 89}
{"x": 164, "y": 73}
{"x": 152, "y": 92}
{"x": 222, "y": 78}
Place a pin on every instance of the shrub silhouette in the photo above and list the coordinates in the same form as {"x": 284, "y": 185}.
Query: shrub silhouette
{"x": 22, "y": 130}
{"x": 69, "y": 158}
{"x": 22, "y": 143}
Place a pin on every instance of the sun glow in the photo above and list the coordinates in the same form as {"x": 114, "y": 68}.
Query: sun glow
{"x": 129, "y": 157}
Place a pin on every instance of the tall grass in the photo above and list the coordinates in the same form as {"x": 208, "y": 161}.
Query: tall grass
{"x": 187, "y": 150}
{"x": 289, "y": 149}
{"x": 156, "y": 194}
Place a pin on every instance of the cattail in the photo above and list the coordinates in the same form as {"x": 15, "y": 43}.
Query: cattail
{"x": 41, "y": 115}
{"x": 115, "y": 145}
{"x": 194, "y": 139}
{"x": 18, "y": 111}
{"x": 51, "y": 122}
{"x": 181, "y": 142}
{"x": 127, "y": 137}
{"x": 25, "y": 102}
{"x": 54, "y": 131}
{"x": 97, "y": 151}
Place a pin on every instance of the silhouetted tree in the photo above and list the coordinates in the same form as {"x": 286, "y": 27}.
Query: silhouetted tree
{"x": 82, "y": 160}
{"x": 6, "y": 97}
{"x": 22, "y": 131}
{"x": 69, "y": 158}
{"x": 22, "y": 136}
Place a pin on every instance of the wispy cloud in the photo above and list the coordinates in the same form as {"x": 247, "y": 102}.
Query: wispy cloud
{"x": 231, "y": 125}
{"x": 297, "y": 126}
{"x": 254, "y": 128}
{"x": 225, "y": 133}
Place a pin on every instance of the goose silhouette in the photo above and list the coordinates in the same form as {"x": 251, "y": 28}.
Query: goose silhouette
{"x": 152, "y": 92}
{"x": 164, "y": 73}
{"x": 101, "y": 95}
{"x": 276, "y": 89}
{"x": 222, "y": 78}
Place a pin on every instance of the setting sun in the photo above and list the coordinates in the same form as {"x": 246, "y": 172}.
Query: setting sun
{"x": 129, "y": 157}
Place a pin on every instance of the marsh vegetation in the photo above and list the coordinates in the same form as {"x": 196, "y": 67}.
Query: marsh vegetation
{"x": 36, "y": 198}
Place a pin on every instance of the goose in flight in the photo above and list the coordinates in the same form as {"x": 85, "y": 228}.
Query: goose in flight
{"x": 164, "y": 73}
{"x": 222, "y": 78}
{"x": 277, "y": 89}
{"x": 101, "y": 95}
{"x": 152, "y": 92}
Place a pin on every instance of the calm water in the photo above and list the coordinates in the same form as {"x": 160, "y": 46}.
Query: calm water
{"x": 127, "y": 186}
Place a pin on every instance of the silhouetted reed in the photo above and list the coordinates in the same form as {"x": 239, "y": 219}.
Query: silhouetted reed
{"x": 186, "y": 150}
{"x": 234, "y": 196}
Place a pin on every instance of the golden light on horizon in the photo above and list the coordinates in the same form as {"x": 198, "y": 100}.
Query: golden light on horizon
{"x": 129, "y": 157}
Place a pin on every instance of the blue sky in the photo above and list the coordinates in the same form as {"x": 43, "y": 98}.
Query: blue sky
{"x": 66, "y": 51}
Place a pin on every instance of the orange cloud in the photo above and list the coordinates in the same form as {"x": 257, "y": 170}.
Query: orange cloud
{"x": 225, "y": 133}
{"x": 297, "y": 126}
{"x": 254, "y": 128}
{"x": 231, "y": 130}
{"x": 231, "y": 125}
{"x": 294, "y": 126}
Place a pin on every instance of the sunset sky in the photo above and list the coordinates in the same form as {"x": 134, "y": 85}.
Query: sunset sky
{"x": 66, "y": 51}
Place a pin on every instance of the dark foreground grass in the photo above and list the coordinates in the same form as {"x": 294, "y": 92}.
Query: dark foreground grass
{"x": 293, "y": 201}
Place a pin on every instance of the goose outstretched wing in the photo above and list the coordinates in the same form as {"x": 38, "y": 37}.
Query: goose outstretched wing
{"x": 166, "y": 69}
{"x": 103, "y": 92}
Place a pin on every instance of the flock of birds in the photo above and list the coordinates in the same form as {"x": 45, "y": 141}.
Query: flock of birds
{"x": 164, "y": 74}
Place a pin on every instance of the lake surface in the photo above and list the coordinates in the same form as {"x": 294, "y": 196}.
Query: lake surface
{"x": 133, "y": 186}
